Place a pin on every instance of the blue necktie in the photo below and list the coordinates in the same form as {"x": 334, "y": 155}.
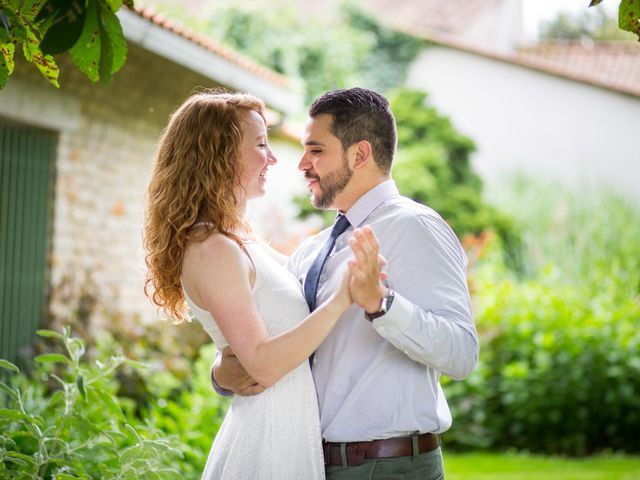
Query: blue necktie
{"x": 313, "y": 275}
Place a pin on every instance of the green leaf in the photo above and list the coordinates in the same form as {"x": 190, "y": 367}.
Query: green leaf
{"x": 52, "y": 358}
{"x": 114, "y": 45}
{"x": 108, "y": 401}
{"x": 114, "y": 5}
{"x": 55, "y": 399}
{"x": 118, "y": 41}
{"x": 4, "y": 75}
{"x": 629, "y": 16}
{"x": 50, "y": 334}
{"x": 86, "y": 52}
{"x": 133, "y": 432}
{"x": 7, "y": 364}
{"x": 131, "y": 453}
{"x": 81, "y": 388}
{"x": 135, "y": 364}
{"x": 9, "y": 391}
{"x": 18, "y": 459}
{"x": 106, "y": 49}
{"x": 45, "y": 63}
{"x": 66, "y": 29}
{"x": 86, "y": 423}
{"x": 18, "y": 416}
{"x": 65, "y": 476}
{"x": 31, "y": 8}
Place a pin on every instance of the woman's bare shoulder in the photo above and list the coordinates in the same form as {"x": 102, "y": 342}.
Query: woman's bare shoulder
{"x": 215, "y": 257}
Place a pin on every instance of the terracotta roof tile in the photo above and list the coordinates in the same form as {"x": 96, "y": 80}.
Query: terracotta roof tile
{"x": 214, "y": 47}
{"x": 613, "y": 65}
{"x": 448, "y": 16}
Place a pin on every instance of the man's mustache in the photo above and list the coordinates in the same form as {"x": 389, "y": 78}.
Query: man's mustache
{"x": 311, "y": 176}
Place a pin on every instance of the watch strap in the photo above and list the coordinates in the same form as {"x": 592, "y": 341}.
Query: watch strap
{"x": 385, "y": 305}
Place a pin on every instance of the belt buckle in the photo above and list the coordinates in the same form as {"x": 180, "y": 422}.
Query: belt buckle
{"x": 355, "y": 455}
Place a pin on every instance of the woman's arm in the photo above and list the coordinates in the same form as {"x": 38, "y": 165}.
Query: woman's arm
{"x": 216, "y": 273}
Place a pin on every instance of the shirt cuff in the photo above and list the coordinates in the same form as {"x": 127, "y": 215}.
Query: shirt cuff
{"x": 396, "y": 320}
{"x": 219, "y": 390}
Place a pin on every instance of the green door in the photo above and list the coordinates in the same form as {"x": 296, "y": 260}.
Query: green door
{"x": 26, "y": 199}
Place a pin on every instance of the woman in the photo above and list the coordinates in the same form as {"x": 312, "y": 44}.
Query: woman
{"x": 213, "y": 157}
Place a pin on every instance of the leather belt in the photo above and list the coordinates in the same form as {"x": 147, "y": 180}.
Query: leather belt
{"x": 355, "y": 453}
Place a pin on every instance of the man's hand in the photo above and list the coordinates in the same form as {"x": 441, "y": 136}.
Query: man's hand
{"x": 367, "y": 289}
{"x": 231, "y": 375}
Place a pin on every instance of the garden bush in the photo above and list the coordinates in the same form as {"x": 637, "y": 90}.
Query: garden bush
{"x": 559, "y": 372}
{"x": 559, "y": 368}
{"x": 63, "y": 421}
{"x": 193, "y": 412}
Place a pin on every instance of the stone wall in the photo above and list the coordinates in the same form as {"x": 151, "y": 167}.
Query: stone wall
{"x": 106, "y": 140}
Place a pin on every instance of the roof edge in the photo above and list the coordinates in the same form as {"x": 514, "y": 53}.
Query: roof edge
{"x": 223, "y": 65}
{"x": 449, "y": 41}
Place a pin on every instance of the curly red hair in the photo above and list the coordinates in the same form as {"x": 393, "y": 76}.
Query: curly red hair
{"x": 194, "y": 176}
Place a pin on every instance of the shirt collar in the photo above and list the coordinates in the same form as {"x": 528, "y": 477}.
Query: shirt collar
{"x": 371, "y": 200}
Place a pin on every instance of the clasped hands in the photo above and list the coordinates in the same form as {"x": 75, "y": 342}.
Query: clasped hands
{"x": 364, "y": 280}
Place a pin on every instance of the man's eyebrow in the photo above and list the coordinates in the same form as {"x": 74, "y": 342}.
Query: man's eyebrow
{"x": 314, "y": 143}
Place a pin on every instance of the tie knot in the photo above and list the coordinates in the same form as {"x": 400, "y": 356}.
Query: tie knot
{"x": 340, "y": 226}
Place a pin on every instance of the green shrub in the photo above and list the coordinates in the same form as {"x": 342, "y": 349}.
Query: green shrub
{"x": 193, "y": 412}
{"x": 63, "y": 422}
{"x": 559, "y": 370}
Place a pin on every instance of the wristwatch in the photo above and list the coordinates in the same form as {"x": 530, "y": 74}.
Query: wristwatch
{"x": 385, "y": 305}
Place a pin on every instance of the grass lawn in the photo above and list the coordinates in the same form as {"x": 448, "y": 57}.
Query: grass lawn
{"x": 496, "y": 466}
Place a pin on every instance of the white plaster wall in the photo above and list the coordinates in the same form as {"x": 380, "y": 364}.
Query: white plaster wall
{"x": 497, "y": 29}
{"x": 527, "y": 121}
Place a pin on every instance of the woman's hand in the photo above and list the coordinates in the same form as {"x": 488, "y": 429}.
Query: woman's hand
{"x": 367, "y": 289}
{"x": 342, "y": 296}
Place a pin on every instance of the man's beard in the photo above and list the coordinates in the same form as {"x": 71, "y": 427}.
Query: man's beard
{"x": 331, "y": 184}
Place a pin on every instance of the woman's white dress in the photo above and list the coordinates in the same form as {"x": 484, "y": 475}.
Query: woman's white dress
{"x": 276, "y": 434}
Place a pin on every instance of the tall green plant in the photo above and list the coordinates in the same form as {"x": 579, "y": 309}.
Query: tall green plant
{"x": 63, "y": 422}
{"x": 588, "y": 237}
{"x": 559, "y": 368}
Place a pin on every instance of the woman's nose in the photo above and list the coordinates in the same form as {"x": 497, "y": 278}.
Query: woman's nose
{"x": 271, "y": 158}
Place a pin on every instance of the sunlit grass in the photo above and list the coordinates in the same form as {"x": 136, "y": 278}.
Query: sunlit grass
{"x": 489, "y": 466}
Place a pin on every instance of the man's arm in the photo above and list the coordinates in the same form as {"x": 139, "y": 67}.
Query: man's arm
{"x": 430, "y": 318}
{"x": 228, "y": 376}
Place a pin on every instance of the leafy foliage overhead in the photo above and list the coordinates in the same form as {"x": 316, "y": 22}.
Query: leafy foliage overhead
{"x": 88, "y": 29}
{"x": 628, "y": 15}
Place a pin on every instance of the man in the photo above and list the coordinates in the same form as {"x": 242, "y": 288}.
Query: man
{"x": 377, "y": 373}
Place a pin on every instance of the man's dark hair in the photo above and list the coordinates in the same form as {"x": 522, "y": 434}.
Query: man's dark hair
{"x": 360, "y": 114}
